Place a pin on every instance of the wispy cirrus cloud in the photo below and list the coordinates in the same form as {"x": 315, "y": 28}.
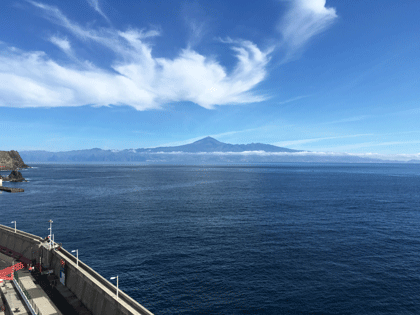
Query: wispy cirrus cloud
{"x": 139, "y": 79}
{"x": 62, "y": 43}
{"x": 349, "y": 119}
{"x": 136, "y": 77}
{"x": 198, "y": 21}
{"x": 304, "y": 20}
{"x": 95, "y": 5}
{"x": 293, "y": 99}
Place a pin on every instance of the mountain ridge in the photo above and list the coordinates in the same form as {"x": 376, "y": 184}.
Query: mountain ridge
{"x": 204, "y": 151}
{"x": 209, "y": 144}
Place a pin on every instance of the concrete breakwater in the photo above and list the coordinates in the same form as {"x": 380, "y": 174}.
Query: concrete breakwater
{"x": 96, "y": 293}
{"x": 11, "y": 190}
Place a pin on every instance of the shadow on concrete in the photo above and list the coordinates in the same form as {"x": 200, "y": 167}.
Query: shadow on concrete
{"x": 56, "y": 297}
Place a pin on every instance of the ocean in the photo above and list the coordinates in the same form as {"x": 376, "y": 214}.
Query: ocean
{"x": 236, "y": 239}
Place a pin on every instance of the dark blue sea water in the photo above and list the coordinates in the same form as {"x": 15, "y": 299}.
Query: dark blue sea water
{"x": 246, "y": 239}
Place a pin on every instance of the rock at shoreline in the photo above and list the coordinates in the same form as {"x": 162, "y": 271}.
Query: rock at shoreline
{"x": 15, "y": 176}
{"x": 11, "y": 160}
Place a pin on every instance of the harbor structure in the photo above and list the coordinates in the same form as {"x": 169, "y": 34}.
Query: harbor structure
{"x": 74, "y": 280}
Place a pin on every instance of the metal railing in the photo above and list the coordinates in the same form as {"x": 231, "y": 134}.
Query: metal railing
{"x": 25, "y": 295}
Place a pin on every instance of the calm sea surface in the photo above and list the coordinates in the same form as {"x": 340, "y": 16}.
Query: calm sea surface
{"x": 246, "y": 239}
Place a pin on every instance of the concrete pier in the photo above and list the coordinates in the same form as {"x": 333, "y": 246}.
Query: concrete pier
{"x": 13, "y": 301}
{"x": 11, "y": 190}
{"x": 23, "y": 293}
{"x": 94, "y": 292}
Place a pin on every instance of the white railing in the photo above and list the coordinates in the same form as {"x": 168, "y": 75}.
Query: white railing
{"x": 26, "y": 297}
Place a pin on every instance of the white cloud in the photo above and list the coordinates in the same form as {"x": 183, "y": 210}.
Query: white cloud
{"x": 293, "y": 99}
{"x": 375, "y": 144}
{"x": 198, "y": 20}
{"x": 303, "y": 141}
{"x": 62, "y": 43}
{"x": 140, "y": 79}
{"x": 349, "y": 119}
{"x": 197, "y": 32}
{"x": 390, "y": 157}
{"x": 305, "y": 19}
{"x": 95, "y": 5}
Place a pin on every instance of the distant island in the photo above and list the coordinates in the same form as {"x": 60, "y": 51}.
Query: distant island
{"x": 205, "y": 151}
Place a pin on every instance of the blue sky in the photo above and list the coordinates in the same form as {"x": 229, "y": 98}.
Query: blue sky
{"x": 325, "y": 76}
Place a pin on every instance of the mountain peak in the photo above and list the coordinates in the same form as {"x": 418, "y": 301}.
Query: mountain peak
{"x": 207, "y": 139}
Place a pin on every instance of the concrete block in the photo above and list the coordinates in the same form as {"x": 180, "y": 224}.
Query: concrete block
{"x": 8, "y": 242}
{"x": 97, "y": 304}
{"x": 79, "y": 287}
{"x": 18, "y": 244}
{"x": 83, "y": 297}
{"x": 110, "y": 309}
{"x": 3, "y": 238}
{"x": 70, "y": 281}
{"x": 87, "y": 296}
{"x": 26, "y": 249}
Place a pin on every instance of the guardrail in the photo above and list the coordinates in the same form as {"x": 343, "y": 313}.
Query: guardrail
{"x": 122, "y": 295}
{"x": 25, "y": 295}
{"x": 9, "y": 229}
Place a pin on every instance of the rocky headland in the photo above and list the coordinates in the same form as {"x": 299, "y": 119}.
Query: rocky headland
{"x": 11, "y": 161}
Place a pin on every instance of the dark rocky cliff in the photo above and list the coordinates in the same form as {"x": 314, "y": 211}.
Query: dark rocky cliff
{"x": 15, "y": 176}
{"x": 11, "y": 160}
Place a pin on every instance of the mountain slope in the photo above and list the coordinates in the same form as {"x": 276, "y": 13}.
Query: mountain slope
{"x": 209, "y": 144}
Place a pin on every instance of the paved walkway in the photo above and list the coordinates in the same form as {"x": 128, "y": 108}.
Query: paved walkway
{"x": 12, "y": 297}
{"x": 40, "y": 300}
{"x": 78, "y": 307}
{"x": 8, "y": 291}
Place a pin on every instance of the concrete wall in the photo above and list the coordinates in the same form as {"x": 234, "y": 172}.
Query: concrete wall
{"x": 95, "y": 292}
{"x": 23, "y": 243}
